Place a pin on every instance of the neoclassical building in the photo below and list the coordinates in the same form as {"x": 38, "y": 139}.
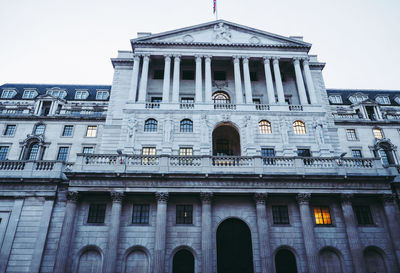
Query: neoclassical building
{"x": 216, "y": 149}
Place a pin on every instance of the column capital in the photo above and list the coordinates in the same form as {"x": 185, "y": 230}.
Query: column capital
{"x": 306, "y": 61}
{"x": 72, "y": 196}
{"x": 206, "y": 197}
{"x": 167, "y": 57}
{"x": 236, "y": 59}
{"x": 207, "y": 58}
{"x": 136, "y": 57}
{"x": 267, "y": 59}
{"x": 346, "y": 198}
{"x": 177, "y": 57}
{"x": 260, "y": 198}
{"x": 245, "y": 59}
{"x": 388, "y": 198}
{"x": 146, "y": 57}
{"x": 116, "y": 196}
{"x": 162, "y": 197}
{"x": 303, "y": 198}
{"x": 198, "y": 57}
{"x": 275, "y": 60}
{"x": 296, "y": 60}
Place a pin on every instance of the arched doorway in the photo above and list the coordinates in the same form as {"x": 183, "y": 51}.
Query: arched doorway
{"x": 90, "y": 261}
{"x": 234, "y": 248}
{"x": 226, "y": 140}
{"x": 285, "y": 262}
{"x": 183, "y": 262}
{"x": 374, "y": 261}
{"x": 330, "y": 261}
{"x": 137, "y": 261}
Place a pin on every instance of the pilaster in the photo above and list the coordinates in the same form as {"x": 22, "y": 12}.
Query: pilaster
{"x": 161, "y": 230}
{"x": 393, "y": 216}
{"x": 206, "y": 232}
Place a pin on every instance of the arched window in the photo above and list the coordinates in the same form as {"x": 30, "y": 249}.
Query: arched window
{"x": 150, "y": 125}
{"x": 378, "y": 133}
{"x": 299, "y": 127}
{"x": 186, "y": 125}
{"x": 33, "y": 151}
{"x": 265, "y": 127}
{"x": 385, "y": 152}
{"x": 39, "y": 129}
{"x": 221, "y": 97}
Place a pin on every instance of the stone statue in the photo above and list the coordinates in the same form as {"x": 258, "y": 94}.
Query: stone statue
{"x": 168, "y": 130}
{"x": 319, "y": 134}
{"x": 132, "y": 128}
{"x": 284, "y": 128}
{"x": 222, "y": 32}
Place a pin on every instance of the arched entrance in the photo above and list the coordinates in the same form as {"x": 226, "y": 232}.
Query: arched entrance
{"x": 226, "y": 140}
{"x": 234, "y": 248}
{"x": 374, "y": 261}
{"x": 183, "y": 262}
{"x": 285, "y": 262}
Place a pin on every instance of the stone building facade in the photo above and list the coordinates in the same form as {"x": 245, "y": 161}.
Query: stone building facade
{"x": 217, "y": 148}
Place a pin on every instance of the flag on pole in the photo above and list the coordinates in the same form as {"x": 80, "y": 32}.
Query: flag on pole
{"x": 214, "y": 6}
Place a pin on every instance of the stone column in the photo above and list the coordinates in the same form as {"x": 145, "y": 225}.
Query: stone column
{"x": 308, "y": 232}
{"x": 199, "y": 79}
{"x": 207, "y": 92}
{"x": 113, "y": 232}
{"x": 263, "y": 233}
{"x": 238, "y": 80}
{"x": 144, "y": 78}
{"x": 167, "y": 78}
{"x": 300, "y": 82}
{"x": 310, "y": 84}
{"x": 176, "y": 80}
{"x": 66, "y": 232}
{"x": 268, "y": 80}
{"x": 393, "y": 219}
{"x": 278, "y": 81}
{"x": 206, "y": 232}
{"x": 352, "y": 234}
{"x": 247, "y": 82}
{"x": 134, "y": 78}
{"x": 161, "y": 230}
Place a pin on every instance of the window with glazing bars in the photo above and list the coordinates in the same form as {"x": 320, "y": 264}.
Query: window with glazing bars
{"x": 68, "y": 130}
{"x": 33, "y": 151}
{"x": 91, "y": 131}
{"x": 267, "y": 152}
{"x": 322, "y": 216}
{"x": 39, "y": 129}
{"x": 150, "y": 125}
{"x": 363, "y": 215}
{"x": 62, "y": 153}
{"x": 299, "y": 127}
{"x": 280, "y": 215}
{"x": 3, "y": 152}
{"x": 356, "y": 153}
{"x": 10, "y": 130}
{"x": 140, "y": 214}
{"x": 97, "y": 213}
{"x": 351, "y": 134}
{"x": 265, "y": 127}
{"x": 184, "y": 214}
{"x": 88, "y": 150}
{"x": 377, "y": 133}
{"x": 186, "y": 126}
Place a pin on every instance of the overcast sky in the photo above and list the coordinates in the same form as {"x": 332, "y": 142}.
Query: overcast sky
{"x": 72, "y": 41}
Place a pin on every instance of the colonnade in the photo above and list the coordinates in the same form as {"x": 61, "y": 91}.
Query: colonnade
{"x": 207, "y": 246}
{"x": 301, "y": 66}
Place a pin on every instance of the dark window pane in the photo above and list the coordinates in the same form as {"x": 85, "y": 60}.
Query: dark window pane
{"x": 10, "y": 130}
{"x": 184, "y": 214}
{"x": 3, "y": 152}
{"x": 219, "y": 76}
{"x": 280, "y": 215}
{"x": 62, "y": 153}
{"x": 363, "y": 214}
{"x": 303, "y": 152}
{"x": 140, "y": 214}
{"x": 68, "y": 130}
{"x": 150, "y": 125}
{"x": 267, "y": 152}
{"x": 186, "y": 125}
{"x": 97, "y": 213}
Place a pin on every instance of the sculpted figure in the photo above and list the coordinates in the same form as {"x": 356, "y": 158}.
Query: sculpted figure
{"x": 132, "y": 128}
{"x": 168, "y": 127}
{"x": 284, "y": 128}
{"x": 222, "y": 32}
{"x": 319, "y": 134}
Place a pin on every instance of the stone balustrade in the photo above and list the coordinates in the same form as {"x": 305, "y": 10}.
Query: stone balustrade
{"x": 32, "y": 169}
{"x": 231, "y": 164}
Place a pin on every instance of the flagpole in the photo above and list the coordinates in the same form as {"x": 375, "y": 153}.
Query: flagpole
{"x": 216, "y": 10}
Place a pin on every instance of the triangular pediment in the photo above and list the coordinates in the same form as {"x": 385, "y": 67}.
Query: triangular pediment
{"x": 221, "y": 32}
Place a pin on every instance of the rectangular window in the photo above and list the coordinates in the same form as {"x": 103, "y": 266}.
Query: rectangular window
{"x": 158, "y": 74}
{"x": 351, "y": 134}
{"x": 81, "y": 95}
{"x": 363, "y": 214}
{"x": 97, "y": 213}
{"x": 62, "y": 153}
{"x": 140, "y": 214}
{"x": 253, "y": 76}
{"x": 10, "y": 130}
{"x": 280, "y": 215}
{"x": 3, "y": 152}
{"x": 187, "y": 75}
{"x": 219, "y": 76}
{"x": 304, "y": 152}
{"x": 91, "y": 131}
{"x": 322, "y": 216}
{"x": 147, "y": 153}
{"x": 267, "y": 152}
{"x": 8, "y": 94}
{"x": 102, "y": 95}
{"x": 378, "y": 133}
{"x": 256, "y": 101}
{"x": 184, "y": 214}
{"x": 29, "y": 94}
{"x": 88, "y": 150}
{"x": 68, "y": 129}
{"x": 186, "y": 151}
{"x": 335, "y": 99}
{"x": 356, "y": 153}
{"x": 187, "y": 100}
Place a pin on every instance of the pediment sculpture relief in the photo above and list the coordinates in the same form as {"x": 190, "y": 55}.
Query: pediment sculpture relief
{"x": 222, "y": 33}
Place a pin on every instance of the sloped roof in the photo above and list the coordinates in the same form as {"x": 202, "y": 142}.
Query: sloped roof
{"x": 371, "y": 93}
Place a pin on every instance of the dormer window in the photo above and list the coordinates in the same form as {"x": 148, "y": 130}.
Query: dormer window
{"x": 102, "y": 95}
{"x": 29, "y": 94}
{"x": 382, "y": 100}
{"x": 8, "y": 93}
{"x": 358, "y": 98}
{"x": 81, "y": 94}
{"x": 397, "y": 100}
{"x": 58, "y": 93}
{"x": 336, "y": 99}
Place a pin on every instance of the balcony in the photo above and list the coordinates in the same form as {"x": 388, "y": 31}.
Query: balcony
{"x": 101, "y": 163}
{"x": 33, "y": 169}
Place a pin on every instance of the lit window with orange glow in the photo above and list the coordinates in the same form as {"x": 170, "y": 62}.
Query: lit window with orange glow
{"x": 322, "y": 216}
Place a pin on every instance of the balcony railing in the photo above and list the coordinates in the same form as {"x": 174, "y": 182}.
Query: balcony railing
{"x": 262, "y": 107}
{"x": 224, "y": 106}
{"x": 295, "y": 107}
{"x": 230, "y": 164}
{"x": 152, "y": 105}
{"x": 32, "y": 169}
{"x": 186, "y": 105}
